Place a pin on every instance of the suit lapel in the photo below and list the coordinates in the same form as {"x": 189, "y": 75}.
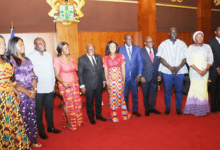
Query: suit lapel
{"x": 126, "y": 54}
{"x": 217, "y": 42}
{"x": 155, "y": 52}
{"x": 132, "y": 53}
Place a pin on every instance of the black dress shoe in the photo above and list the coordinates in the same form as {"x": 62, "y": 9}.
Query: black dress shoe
{"x": 184, "y": 93}
{"x": 167, "y": 112}
{"x": 54, "y": 130}
{"x": 92, "y": 121}
{"x": 136, "y": 113}
{"x": 43, "y": 136}
{"x": 147, "y": 113}
{"x": 155, "y": 111}
{"x": 178, "y": 112}
{"x": 101, "y": 118}
{"x": 214, "y": 111}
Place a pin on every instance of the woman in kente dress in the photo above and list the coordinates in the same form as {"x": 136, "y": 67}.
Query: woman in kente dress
{"x": 65, "y": 70}
{"x": 12, "y": 130}
{"x": 114, "y": 65}
{"x": 200, "y": 59}
{"x": 26, "y": 84}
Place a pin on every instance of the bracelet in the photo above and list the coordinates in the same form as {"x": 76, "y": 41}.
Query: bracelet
{"x": 35, "y": 89}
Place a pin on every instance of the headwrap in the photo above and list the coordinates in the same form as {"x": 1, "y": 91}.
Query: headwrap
{"x": 194, "y": 35}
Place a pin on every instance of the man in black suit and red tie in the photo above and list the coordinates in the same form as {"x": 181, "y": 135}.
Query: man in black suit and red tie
{"x": 150, "y": 76}
{"x": 91, "y": 81}
{"x": 215, "y": 72}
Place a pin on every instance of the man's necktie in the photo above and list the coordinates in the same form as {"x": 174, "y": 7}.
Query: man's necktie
{"x": 94, "y": 63}
{"x": 151, "y": 55}
{"x": 129, "y": 51}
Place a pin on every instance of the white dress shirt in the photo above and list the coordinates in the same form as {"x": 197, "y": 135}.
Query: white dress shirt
{"x": 173, "y": 54}
{"x": 43, "y": 68}
{"x": 218, "y": 39}
{"x": 148, "y": 51}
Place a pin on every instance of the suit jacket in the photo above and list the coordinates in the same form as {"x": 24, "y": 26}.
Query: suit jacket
{"x": 214, "y": 44}
{"x": 134, "y": 66}
{"x": 150, "y": 70}
{"x": 90, "y": 76}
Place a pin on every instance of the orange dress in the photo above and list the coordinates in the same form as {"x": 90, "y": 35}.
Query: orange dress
{"x": 71, "y": 96}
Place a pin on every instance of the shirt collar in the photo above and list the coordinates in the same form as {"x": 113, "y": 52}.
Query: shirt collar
{"x": 217, "y": 38}
{"x": 128, "y": 47}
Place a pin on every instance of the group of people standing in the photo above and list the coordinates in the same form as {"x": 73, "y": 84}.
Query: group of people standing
{"x": 27, "y": 82}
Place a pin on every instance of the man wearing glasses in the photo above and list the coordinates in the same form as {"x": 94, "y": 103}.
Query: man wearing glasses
{"x": 150, "y": 76}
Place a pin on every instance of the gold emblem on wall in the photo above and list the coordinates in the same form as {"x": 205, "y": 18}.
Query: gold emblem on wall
{"x": 217, "y": 2}
{"x": 180, "y": 1}
{"x": 67, "y": 11}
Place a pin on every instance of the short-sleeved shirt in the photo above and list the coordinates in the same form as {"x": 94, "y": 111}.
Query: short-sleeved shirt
{"x": 173, "y": 54}
{"x": 43, "y": 68}
{"x": 67, "y": 70}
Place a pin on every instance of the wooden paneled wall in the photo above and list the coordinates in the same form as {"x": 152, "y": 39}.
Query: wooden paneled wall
{"x": 100, "y": 39}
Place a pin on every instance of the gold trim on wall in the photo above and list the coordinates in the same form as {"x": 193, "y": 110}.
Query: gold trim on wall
{"x": 215, "y": 9}
{"x": 175, "y": 6}
{"x": 121, "y": 1}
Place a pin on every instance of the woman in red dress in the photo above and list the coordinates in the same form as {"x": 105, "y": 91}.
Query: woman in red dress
{"x": 114, "y": 65}
{"x": 65, "y": 70}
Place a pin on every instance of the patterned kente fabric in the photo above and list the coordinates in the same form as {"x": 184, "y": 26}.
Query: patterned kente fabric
{"x": 118, "y": 109}
{"x": 12, "y": 131}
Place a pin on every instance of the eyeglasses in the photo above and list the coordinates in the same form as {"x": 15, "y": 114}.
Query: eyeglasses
{"x": 150, "y": 41}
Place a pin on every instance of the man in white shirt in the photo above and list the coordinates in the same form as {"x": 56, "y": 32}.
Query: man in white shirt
{"x": 172, "y": 53}
{"x": 215, "y": 72}
{"x": 43, "y": 68}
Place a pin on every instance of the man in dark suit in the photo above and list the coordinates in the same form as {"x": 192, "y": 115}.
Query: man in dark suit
{"x": 133, "y": 67}
{"x": 91, "y": 80}
{"x": 215, "y": 72}
{"x": 150, "y": 76}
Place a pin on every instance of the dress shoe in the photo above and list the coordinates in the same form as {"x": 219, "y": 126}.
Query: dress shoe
{"x": 147, "y": 113}
{"x": 214, "y": 111}
{"x": 54, "y": 130}
{"x": 155, "y": 111}
{"x": 136, "y": 113}
{"x": 43, "y": 136}
{"x": 178, "y": 112}
{"x": 184, "y": 93}
{"x": 101, "y": 118}
{"x": 167, "y": 112}
{"x": 92, "y": 121}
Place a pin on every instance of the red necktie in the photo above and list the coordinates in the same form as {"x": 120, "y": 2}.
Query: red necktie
{"x": 151, "y": 55}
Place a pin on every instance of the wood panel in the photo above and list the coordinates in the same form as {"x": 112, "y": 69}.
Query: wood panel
{"x": 69, "y": 34}
{"x": 147, "y": 19}
{"x": 100, "y": 40}
{"x": 204, "y": 18}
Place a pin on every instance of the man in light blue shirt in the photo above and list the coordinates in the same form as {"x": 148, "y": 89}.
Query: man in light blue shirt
{"x": 43, "y": 68}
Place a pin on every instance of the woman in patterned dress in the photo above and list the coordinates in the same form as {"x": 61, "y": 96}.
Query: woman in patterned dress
{"x": 65, "y": 70}
{"x": 12, "y": 130}
{"x": 26, "y": 84}
{"x": 200, "y": 59}
{"x": 114, "y": 66}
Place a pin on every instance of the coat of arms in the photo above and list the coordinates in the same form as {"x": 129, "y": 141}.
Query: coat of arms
{"x": 67, "y": 11}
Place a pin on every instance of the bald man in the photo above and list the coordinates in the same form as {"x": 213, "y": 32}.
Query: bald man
{"x": 43, "y": 68}
{"x": 91, "y": 80}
